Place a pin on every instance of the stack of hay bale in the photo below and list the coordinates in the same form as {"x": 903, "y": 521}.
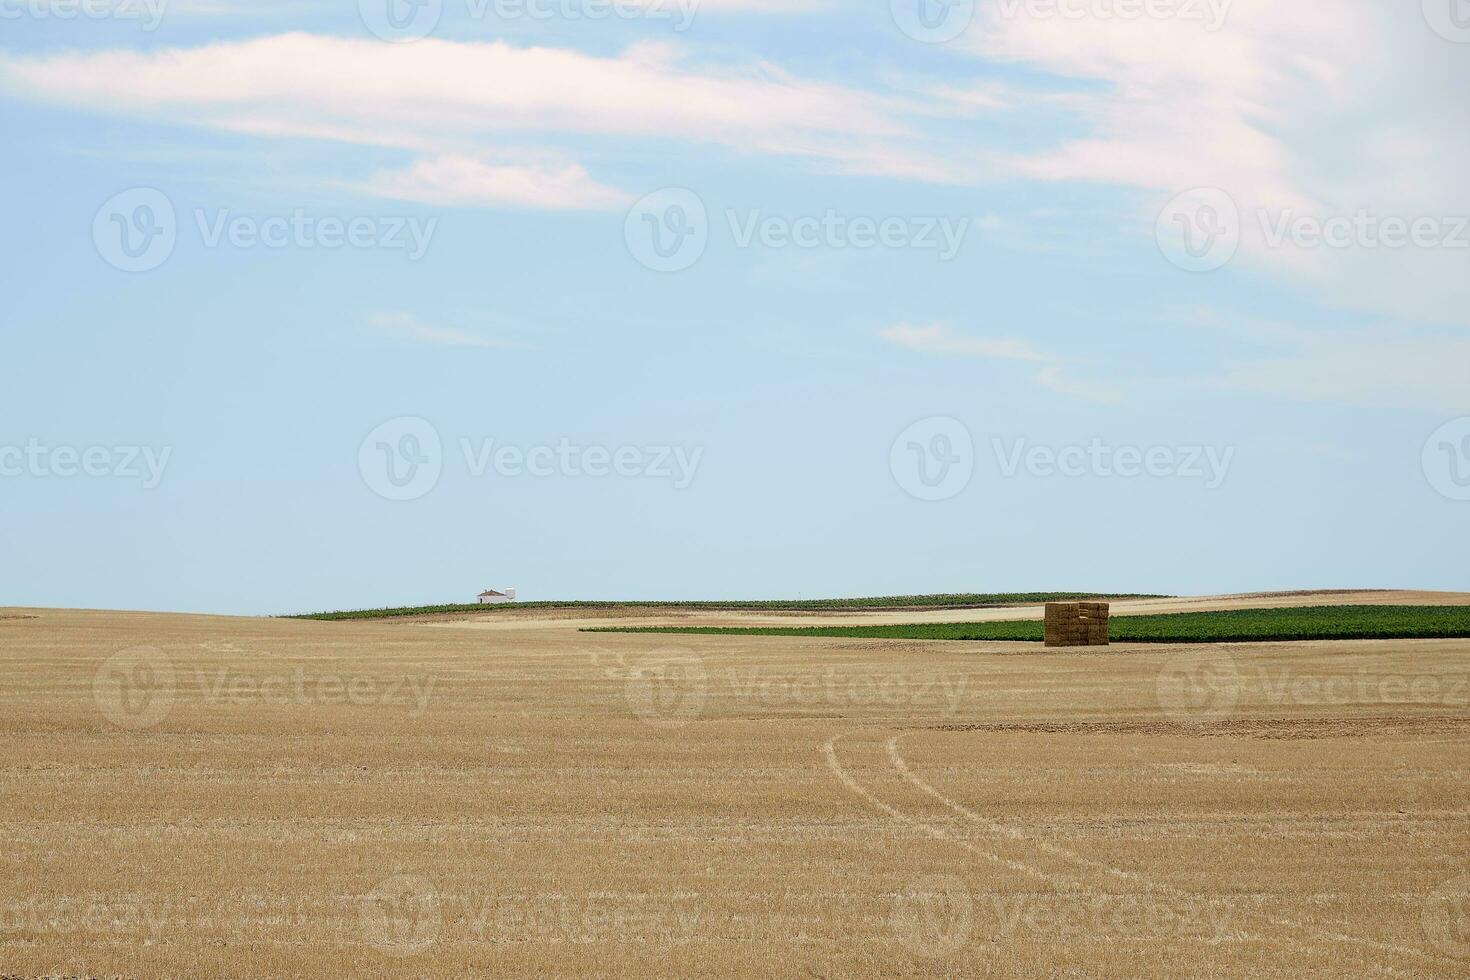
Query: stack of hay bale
{"x": 1076, "y": 624}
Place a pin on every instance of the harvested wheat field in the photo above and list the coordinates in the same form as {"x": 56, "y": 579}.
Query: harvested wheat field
{"x": 189, "y": 795}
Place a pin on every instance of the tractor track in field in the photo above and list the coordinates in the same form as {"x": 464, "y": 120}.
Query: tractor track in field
{"x": 1047, "y": 862}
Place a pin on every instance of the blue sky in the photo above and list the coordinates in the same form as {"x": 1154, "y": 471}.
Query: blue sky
{"x": 1226, "y": 238}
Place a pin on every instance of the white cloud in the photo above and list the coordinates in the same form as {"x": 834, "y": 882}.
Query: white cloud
{"x": 1318, "y": 106}
{"x": 225, "y": 8}
{"x": 447, "y": 97}
{"x": 405, "y": 326}
{"x": 1056, "y": 380}
{"x": 1368, "y": 369}
{"x": 1401, "y": 367}
{"x": 458, "y": 179}
{"x": 937, "y": 339}
{"x": 749, "y": 6}
{"x": 222, "y": 8}
{"x": 1323, "y": 107}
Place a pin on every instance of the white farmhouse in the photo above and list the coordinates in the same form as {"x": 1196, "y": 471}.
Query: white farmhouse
{"x": 492, "y": 596}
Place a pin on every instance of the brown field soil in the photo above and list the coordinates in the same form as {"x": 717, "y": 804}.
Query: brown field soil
{"x": 209, "y": 796}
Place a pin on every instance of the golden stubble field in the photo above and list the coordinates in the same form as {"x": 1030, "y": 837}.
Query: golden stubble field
{"x": 209, "y": 796}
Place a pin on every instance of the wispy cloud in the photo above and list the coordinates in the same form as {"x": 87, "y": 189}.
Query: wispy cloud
{"x": 226, "y": 8}
{"x": 451, "y": 98}
{"x": 1267, "y": 107}
{"x": 1056, "y": 379}
{"x": 1381, "y": 368}
{"x": 405, "y": 326}
{"x": 939, "y": 339}
{"x": 466, "y": 180}
{"x": 1395, "y": 366}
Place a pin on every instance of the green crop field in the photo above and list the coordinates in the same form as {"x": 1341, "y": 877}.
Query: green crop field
{"x": 1237, "y": 626}
{"x": 954, "y": 601}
